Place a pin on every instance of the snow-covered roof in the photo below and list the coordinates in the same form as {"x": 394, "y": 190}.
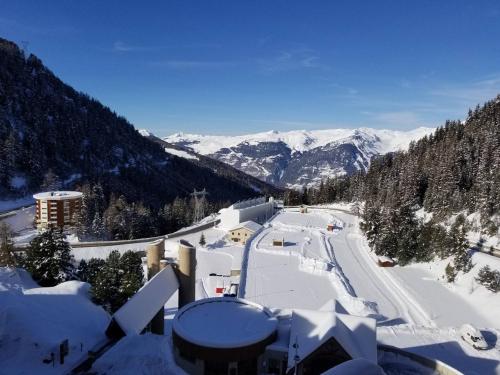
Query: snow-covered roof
{"x": 250, "y": 225}
{"x": 383, "y": 258}
{"x": 225, "y": 322}
{"x": 311, "y": 329}
{"x": 142, "y": 307}
{"x": 58, "y": 195}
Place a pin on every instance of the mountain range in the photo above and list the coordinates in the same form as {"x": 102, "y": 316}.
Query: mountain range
{"x": 299, "y": 158}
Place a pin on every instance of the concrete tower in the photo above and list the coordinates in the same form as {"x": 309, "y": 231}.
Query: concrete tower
{"x": 154, "y": 253}
{"x": 186, "y": 273}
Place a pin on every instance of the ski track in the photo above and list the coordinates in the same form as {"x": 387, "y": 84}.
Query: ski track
{"x": 394, "y": 304}
{"x": 392, "y": 292}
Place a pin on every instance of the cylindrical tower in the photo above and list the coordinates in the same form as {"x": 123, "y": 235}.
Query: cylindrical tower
{"x": 186, "y": 273}
{"x": 154, "y": 253}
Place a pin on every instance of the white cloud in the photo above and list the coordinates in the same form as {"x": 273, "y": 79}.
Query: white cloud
{"x": 119, "y": 46}
{"x": 397, "y": 119}
{"x": 471, "y": 93}
{"x": 192, "y": 64}
{"x": 302, "y": 58}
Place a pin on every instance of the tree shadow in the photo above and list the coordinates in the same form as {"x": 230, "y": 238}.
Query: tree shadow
{"x": 491, "y": 338}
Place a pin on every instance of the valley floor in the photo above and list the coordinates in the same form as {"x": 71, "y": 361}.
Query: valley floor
{"x": 325, "y": 270}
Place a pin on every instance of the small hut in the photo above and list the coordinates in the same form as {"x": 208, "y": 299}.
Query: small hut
{"x": 279, "y": 242}
{"x": 384, "y": 261}
{"x": 303, "y": 209}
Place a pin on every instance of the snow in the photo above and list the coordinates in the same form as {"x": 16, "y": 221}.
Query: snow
{"x": 146, "y": 354}
{"x": 142, "y": 307}
{"x": 18, "y": 182}
{"x": 301, "y": 140}
{"x": 225, "y": 322}
{"x": 465, "y": 291}
{"x": 7, "y": 205}
{"x": 144, "y": 132}
{"x": 21, "y": 220}
{"x": 58, "y": 195}
{"x": 355, "y": 367}
{"x": 34, "y": 321}
{"x": 180, "y": 153}
{"x": 310, "y": 329}
{"x": 72, "y": 178}
{"x": 303, "y": 273}
{"x": 333, "y": 273}
{"x": 102, "y": 252}
{"x": 383, "y": 258}
{"x": 444, "y": 344}
{"x": 404, "y": 300}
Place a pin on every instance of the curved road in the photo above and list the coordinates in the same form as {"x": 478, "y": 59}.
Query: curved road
{"x": 403, "y": 294}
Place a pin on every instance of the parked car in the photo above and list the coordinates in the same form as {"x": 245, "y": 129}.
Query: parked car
{"x": 472, "y": 336}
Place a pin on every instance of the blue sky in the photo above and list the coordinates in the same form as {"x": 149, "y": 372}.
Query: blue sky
{"x": 232, "y": 67}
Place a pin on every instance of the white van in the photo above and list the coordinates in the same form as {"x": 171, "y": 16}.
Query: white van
{"x": 472, "y": 336}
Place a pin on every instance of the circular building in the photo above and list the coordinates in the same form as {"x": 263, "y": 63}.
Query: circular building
{"x": 57, "y": 208}
{"x": 222, "y": 336}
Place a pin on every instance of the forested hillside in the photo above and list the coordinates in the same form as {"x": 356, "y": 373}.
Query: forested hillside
{"x": 47, "y": 125}
{"x": 456, "y": 170}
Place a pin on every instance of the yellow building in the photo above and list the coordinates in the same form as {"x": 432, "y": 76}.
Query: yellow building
{"x": 243, "y": 231}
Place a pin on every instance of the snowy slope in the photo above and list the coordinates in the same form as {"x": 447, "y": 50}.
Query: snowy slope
{"x": 300, "y": 157}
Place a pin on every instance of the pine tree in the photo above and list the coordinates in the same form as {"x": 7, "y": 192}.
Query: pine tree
{"x": 118, "y": 279}
{"x": 51, "y": 182}
{"x": 7, "y": 258}
{"x": 451, "y": 273}
{"x": 133, "y": 276}
{"x": 106, "y": 288}
{"x": 81, "y": 271}
{"x": 427, "y": 243}
{"x": 490, "y": 279}
{"x": 459, "y": 246}
{"x": 98, "y": 227}
{"x": 48, "y": 258}
{"x": 88, "y": 271}
{"x": 408, "y": 229}
{"x": 202, "y": 242}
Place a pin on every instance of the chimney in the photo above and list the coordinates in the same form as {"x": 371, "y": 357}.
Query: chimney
{"x": 154, "y": 253}
{"x": 186, "y": 273}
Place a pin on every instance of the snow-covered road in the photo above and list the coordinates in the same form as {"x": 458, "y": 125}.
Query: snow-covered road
{"x": 369, "y": 281}
{"x": 403, "y": 294}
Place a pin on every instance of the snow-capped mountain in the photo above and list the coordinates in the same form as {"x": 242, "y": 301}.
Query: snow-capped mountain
{"x": 299, "y": 158}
